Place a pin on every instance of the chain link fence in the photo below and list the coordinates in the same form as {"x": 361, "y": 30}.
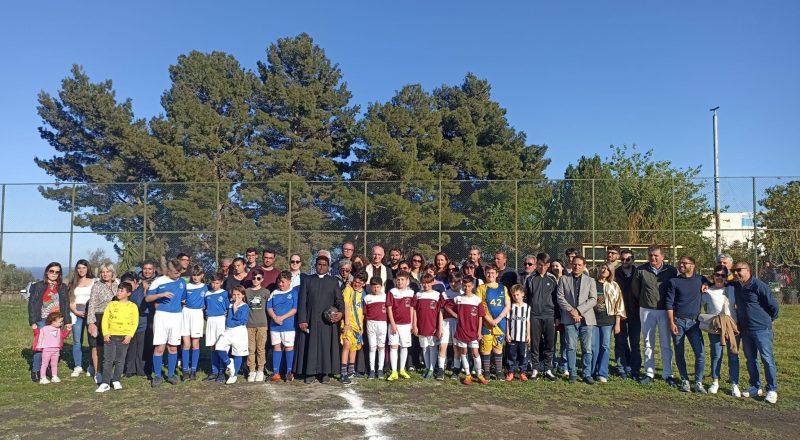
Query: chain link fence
{"x": 214, "y": 220}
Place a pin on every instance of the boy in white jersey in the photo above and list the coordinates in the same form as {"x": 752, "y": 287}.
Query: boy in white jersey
{"x": 449, "y": 328}
{"x": 375, "y": 312}
{"x": 426, "y": 322}
{"x": 399, "y": 302}
{"x": 518, "y": 336}
{"x": 192, "y": 326}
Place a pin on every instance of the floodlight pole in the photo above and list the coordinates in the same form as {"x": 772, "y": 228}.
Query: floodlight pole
{"x": 717, "y": 235}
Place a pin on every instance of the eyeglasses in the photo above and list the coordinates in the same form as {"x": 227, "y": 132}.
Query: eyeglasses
{"x": 739, "y": 269}
{"x": 720, "y": 274}
{"x": 416, "y": 260}
{"x": 257, "y": 278}
{"x": 295, "y": 261}
{"x": 530, "y": 264}
{"x": 627, "y": 259}
{"x": 54, "y": 272}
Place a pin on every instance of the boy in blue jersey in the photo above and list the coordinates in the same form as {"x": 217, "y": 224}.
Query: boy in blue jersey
{"x": 282, "y": 308}
{"x": 495, "y": 325}
{"x": 216, "y": 303}
{"x": 168, "y": 292}
{"x": 235, "y": 336}
{"x": 192, "y": 327}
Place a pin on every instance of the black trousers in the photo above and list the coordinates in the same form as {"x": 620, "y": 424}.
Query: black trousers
{"x": 542, "y": 330}
{"x": 134, "y": 360}
{"x": 114, "y": 356}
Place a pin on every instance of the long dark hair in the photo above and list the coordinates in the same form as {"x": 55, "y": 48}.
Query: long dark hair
{"x": 60, "y": 279}
{"x": 74, "y": 279}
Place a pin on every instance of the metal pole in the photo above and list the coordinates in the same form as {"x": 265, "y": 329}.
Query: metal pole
{"x": 2, "y": 220}
{"x": 144, "y": 225}
{"x": 717, "y": 234}
{"x": 755, "y": 230}
{"x": 216, "y": 233}
{"x": 440, "y": 215}
{"x": 593, "y": 226}
{"x": 71, "y": 225}
{"x": 365, "y": 218}
{"x": 289, "y": 229}
{"x": 516, "y": 224}
{"x": 674, "y": 240}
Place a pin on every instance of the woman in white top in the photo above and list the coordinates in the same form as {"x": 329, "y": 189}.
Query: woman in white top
{"x": 720, "y": 298}
{"x": 80, "y": 288}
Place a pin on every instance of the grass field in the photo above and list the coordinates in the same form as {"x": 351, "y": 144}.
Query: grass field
{"x": 407, "y": 409}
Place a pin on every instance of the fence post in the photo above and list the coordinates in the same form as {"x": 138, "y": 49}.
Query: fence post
{"x": 755, "y": 230}
{"x": 71, "y": 224}
{"x": 216, "y": 232}
{"x": 516, "y": 224}
{"x": 2, "y": 220}
{"x": 440, "y": 215}
{"x": 674, "y": 223}
{"x": 365, "y": 218}
{"x": 289, "y": 227}
{"x": 593, "y": 225}
{"x": 144, "y": 223}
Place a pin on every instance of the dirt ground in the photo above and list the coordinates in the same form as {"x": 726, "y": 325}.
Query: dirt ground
{"x": 412, "y": 409}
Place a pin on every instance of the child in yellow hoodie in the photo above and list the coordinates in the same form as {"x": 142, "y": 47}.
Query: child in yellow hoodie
{"x": 120, "y": 320}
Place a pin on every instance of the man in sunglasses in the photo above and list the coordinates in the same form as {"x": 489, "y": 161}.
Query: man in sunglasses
{"x": 528, "y": 269}
{"x": 756, "y": 309}
{"x": 626, "y": 348}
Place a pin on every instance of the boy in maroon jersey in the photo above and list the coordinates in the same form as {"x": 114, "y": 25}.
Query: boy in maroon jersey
{"x": 375, "y": 313}
{"x": 469, "y": 310}
{"x": 399, "y": 304}
{"x": 426, "y": 322}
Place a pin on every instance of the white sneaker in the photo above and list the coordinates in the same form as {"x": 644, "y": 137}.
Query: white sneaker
{"x": 735, "y": 391}
{"x": 231, "y": 380}
{"x": 714, "y": 387}
{"x": 753, "y": 392}
{"x": 116, "y": 385}
{"x": 251, "y": 377}
{"x": 76, "y": 372}
{"x": 102, "y": 388}
{"x": 230, "y": 368}
{"x": 260, "y": 376}
{"x": 55, "y": 379}
{"x": 602, "y": 379}
{"x": 43, "y": 381}
{"x": 98, "y": 378}
{"x": 534, "y": 373}
{"x": 88, "y": 373}
{"x": 772, "y": 397}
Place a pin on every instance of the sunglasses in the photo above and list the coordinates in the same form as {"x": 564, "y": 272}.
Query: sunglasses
{"x": 295, "y": 261}
{"x": 530, "y": 264}
{"x": 416, "y": 260}
{"x": 627, "y": 259}
{"x": 739, "y": 269}
{"x": 257, "y": 278}
{"x": 54, "y": 272}
{"x": 720, "y": 274}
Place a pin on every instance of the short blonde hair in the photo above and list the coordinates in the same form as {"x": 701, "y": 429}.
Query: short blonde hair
{"x": 109, "y": 267}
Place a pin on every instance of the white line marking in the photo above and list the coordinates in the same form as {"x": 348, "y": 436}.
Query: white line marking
{"x": 279, "y": 428}
{"x": 370, "y": 419}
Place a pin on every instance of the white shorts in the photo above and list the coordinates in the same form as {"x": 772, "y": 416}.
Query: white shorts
{"x": 448, "y": 331}
{"x": 427, "y": 341}
{"x": 285, "y": 338}
{"x": 215, "y": 327}
{"x": 470, "y": 344}
{"x": 376, "y": 333}
{"x": 234, "y": 338}
{"x": 192, "y": 323}
{"x": 167, "y": 328}
{"x": 402, "y": 337}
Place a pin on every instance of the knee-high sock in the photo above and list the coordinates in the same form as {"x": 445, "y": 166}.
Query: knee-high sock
{"x": 223, "y": 360}
{"x": 172, "y": 361}
{"x": 381, "y": 357}
{"x": 237, "y": 363}
{"x": 433, "y": 354}
{"x": 457, "y": 362}
{"x": 158, "y": 362}
{"x": 276, "y": 362}
{"x": 464, "y": 361}
{"x": 185, "y": 359}
{"x": 289, "y": 355}
{"x": 214, "y": 362}
{"x": 393, "y": 358}
{"x": 195, "y": 358}
{"x": 486, "y": 358}
{"x": 372, "y": 352}
{"x": 442, "y": 360}
{"x": 426, "y": 357}
{"x": 403, "y": 357}
{"x": 498, "y": 364}
{"x": 477, "y": 360}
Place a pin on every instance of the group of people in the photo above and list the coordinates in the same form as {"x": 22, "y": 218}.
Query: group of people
{"x": 341, "y": 317}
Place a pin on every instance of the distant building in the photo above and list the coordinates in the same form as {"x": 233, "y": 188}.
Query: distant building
{"x": 734, "y": 226}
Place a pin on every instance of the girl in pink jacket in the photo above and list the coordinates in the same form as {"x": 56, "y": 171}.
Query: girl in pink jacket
{"x": 50, "y": 340}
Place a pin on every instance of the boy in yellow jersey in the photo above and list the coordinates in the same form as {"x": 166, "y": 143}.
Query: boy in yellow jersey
{"x": 120, "y": 320}
{"x": 497, "y": 303}
{"x": 352, "y": 325}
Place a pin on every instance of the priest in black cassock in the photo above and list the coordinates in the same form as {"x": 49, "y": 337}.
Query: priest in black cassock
{"x": 317, "y": 344}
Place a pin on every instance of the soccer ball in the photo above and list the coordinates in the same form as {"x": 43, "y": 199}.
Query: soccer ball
{"x": 332, "y": 315}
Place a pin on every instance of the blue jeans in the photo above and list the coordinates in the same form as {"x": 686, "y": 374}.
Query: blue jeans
{"x": 77, "y": 338}
{"x": 759, "y": 342}
{"x": 573, "y": 332}
{"x": 689, "y": 328}
{"x": 716, "y": 358}
{"x": 627, "y": 351}
{"x": 37, "y": 355}
{"x": 601, "y": 349}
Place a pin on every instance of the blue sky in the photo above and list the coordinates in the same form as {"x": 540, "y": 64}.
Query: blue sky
{"x": 577, "y": 76}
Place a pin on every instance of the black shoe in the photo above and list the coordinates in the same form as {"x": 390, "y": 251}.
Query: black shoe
{"x": 345, "y": 379}
{"x": 35, "y": 376}
{"x": 573, "y": 379}
{"x": 210, "y": 378}
{"x": 588, "y": 380}
{"x": 220, "y": 378}
{"x": 671, "y": 382}
{"x": 439, "y": 374}
{"x": 309, "y": 379}
{"x": 185, "y": 376}
{"x": 193, "y": 375}
{"x": 156, "y": 381}
{"x": 172, "y": 380}
{"x": 325, "y": 378}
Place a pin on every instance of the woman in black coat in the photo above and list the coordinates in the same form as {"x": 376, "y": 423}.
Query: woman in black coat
{"x": 47, "y": 296}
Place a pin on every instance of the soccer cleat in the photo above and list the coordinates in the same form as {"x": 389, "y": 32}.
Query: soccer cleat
{"x": 210, "y": 378}
{"x": 43, "y": 381}
{"x": 55, "y": 379}
{"x": 116, "y": 385}
{"x": 699, "y": 388}
{"x": 275, "y": 377}
{"x": 482, "y": 380}
{"x": 549, "y": 376}
{"x": 685, "y": 387}
{"x": 251, "y": 377}
{"x": 231, "y": 380}
{"x": 753, "y": 392}
{"x": 714, "y": 387}
{"x": 510, "y": 376}
{"x": 523, "y": 377}
{"x": 467, "y": 380}
{"x": 102, "y": 388}
{"x": 404, "y": 374}
{"x": 185, "y": 375}
{"x": 76, "y": 372}
{"x": 220, "y": 378}
{"x": 772, "y": 397}
{"x": 393, "y": 376}
{"x": 735, "y": 392}
{"x": 229, "y": 368}
{"x": 173, "y": 380}
{"x": 156, "y": 381}
{"x": 289, "y": 377}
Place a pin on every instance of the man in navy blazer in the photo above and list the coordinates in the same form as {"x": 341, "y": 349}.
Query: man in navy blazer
{"x": 577, "y": 296}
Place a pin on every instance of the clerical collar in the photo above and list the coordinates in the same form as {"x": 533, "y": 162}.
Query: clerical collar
{"x": 321, "y": 275}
